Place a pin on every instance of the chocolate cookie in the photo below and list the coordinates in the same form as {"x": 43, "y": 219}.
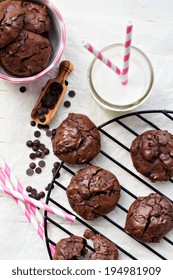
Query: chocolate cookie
{"x": 27, "y": 55}
{"x": 11, "y": 21}
{"x": 93, "y": 192}
{"x": 103, "y": 248}
{"x": 70, "y": 248}
{"x": 149, "y": 218}
{"x": 36, "y": 18}
{"x": 77, "y": 139}
{"x": 152, "y": 154}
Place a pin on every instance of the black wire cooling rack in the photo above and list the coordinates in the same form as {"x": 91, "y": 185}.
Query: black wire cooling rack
{"x": 116, "y": 136}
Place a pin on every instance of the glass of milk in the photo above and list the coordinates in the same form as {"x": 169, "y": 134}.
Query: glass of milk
{"x": 106, "y": 86}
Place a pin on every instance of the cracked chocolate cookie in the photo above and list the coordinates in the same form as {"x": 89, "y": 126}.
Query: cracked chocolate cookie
{"x": 152, "y": 154}
{"x": 149, "y": 218}
{"x": 11, "y": 21}
{"x": 103, "y": 248}
{"x": 27, "y": 55}
{"x": 77, "y": 140}
{"x": 70, "y": 248}
{"x": 36, "y": 17}
{"x": 93, "y": 192}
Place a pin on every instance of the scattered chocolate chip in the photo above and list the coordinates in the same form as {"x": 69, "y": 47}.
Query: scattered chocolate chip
{"x": 29, "y": 143}
{"x": 49, "y": 186}
{"x": 71, "y": 93}
{"x": 42, "y": 155}
{"x": 42, "y": 147}
{"x": 37, "y": 133}
{"x": 49, "y": 133}
{"x": 56, "y": 164}
{"x": 34, "y": 191}
{"x": 29, "y": 172}
{"x": 67, "y": 104}
{"x": 41, "y": 163}
{"x": 28, "y": 188}
{"x": 35, "y": 148}
{"x": 37, "y": 196}
{"x": 40, "y": 126}
{"x": 66, "y": 83}
{"x": 32, "y": 156}
{"x": 53, "y": 132}
{"x": 30, "y": 195}
{"x": 46, "y": 127}
{"x": 22, "y": 89}
{"x": 36, "y": 143}
{"x": 32, "y": 165}
{"x": 38, "y": 154}
{"x": 46, "y": 151}
{"x": 38, "y": 170}
{"x": 42, "y": 194}
{"x": 33, "y": 123}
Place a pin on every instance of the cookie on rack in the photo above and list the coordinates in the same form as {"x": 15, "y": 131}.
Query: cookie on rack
{"x": 70, "y": 248}
{"x": 152, "y": 154}
{"x": 77, "y": 140}
{"x": 93, "y": 192}
{"x": 103, "y": 248}
{"x": 149, "y": 218}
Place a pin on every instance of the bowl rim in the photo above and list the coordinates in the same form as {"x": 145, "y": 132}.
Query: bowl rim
{"x": 119, "y": 108}
{"x": 58, "y": 55}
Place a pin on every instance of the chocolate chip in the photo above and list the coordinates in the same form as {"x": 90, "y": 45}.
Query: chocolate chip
{"x": 34, "y": 191}
{"x": 40, "y": 111}
{"x": 32, "y": 165}
{"x": 40, "y": 126}
{"x": 42, "y": 155}
{"x": 35, "y": 148}
{"x": 41, "y": 163}
{"x": 38, "y": 170}
{"x": 31, "y": 195}
{"x": 28, "y": 188}
{"x": 32, "y": 156}
{"x": 29, "y": 143}
{"x": 36, "y": 143}
{"x": 42, "y": 147}
{"x": 42, "y": 194}
{"x": 37, "y": 196}
{"x": 29, "y": 172}
{"x": 66, "y": 83}
{"x": 53, "y": 132}
{"x": 37, "y": 133}
{"x": 46, "y": 127}
{"x": 42, "y": 118}
{"x": 46, "y": 151}
{"x": 38, "y": 154}
{"x": 56, "y": 164}
{"x": 49, "y": 186}
{"x": 33, "y": 123}
{"x": 22, "y": 89}
{"x": 67, "y": 104}
{"x": 71, "y": 93}
{"x": 45, "y": 110}
{"x": 49, "y": 133}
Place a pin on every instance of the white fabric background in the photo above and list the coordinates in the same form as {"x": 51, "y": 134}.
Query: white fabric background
{"x": 101, "y": 23}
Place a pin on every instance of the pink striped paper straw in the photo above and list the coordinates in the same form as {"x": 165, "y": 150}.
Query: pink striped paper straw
{"x": 101, "y": 57}
{"x": 18, "y": 187}
{"x": 126, "y": 58}
{"x": 35, "y": 202}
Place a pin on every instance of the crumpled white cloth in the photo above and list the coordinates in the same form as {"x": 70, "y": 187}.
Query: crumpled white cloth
{"x": 18, "y": 239}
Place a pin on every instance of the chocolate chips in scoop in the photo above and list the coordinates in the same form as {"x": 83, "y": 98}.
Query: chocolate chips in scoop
{"x": 93, "y": 192}
{"x": 103, "y": 248}
{"x": 149, "y": 218}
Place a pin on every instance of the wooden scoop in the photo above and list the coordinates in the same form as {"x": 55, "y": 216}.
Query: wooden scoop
{"x": 65, "y": 69}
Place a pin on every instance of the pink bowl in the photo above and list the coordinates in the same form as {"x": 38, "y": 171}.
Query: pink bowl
{"x": 57, "y": 36}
